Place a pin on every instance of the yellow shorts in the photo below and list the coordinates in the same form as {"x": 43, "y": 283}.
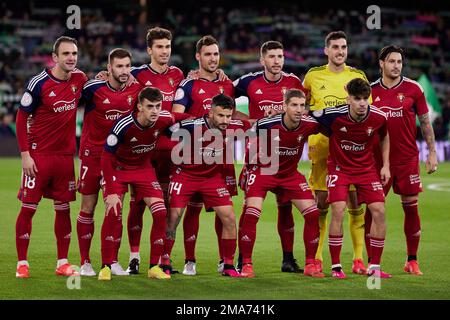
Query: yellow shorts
{"x": 318, "y": 154}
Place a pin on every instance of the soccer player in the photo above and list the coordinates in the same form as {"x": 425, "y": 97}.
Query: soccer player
{"x": 326, "y": 89}
{"x": 288, "y": 131}
{"x": 126, "y": 161}
{"x": 105, "y": 102}
{"x": 354, "y": 129}
{"x": 402, "y": 99}
{"x": 265, "y": 90}
{"x": 46, "y": 137}
{"x": 194, "y": 97}
{"x": 191, "y": 174}
{"x": 159, "y": 74}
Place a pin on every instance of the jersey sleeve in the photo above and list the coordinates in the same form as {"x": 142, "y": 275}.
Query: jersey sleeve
{"x": 241, "y": 86}
{"x": 31, "y": 97}
{"x": 115, "y": 137}
{"x": 307, "y": 81}
{"x": 420, "y": 101}
{"x": 88, "y": 92}
{"x": 326, "y": 116}
{"x": 183, "y": 94}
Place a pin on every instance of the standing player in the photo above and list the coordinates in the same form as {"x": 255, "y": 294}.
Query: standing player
{"x": 402, "y": 99}
{"x": 105, "y": 102}
{"x": 194, "y": 97}
{"x": 126, "y": 161}
{"x": 46, "y": 137}
{"x": 326, "y": 89}
{"x": 289, "y": 131}
{"x": 354, "y": 128}
{"x": 166, "y": 78}
{"x": 190, "y": 176}
{"x": 265, "y": 90}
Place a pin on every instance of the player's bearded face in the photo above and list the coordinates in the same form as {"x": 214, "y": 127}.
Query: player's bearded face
{"x": 209, "y": 58}
{"x": 160, "y": 51}
{"x": 337, "y": 51}
{"x": 295, "y": 108}
{"x": 358, "y": 105}
{"x": 120, "y": 69}
{"x": 392, "y": 65}
{"x": 220, "y": 117}
{"x": 273, "y": 61}
{"x": 67, "y": 56}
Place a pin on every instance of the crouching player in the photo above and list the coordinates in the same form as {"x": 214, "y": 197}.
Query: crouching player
{"x": 126, "y": 161}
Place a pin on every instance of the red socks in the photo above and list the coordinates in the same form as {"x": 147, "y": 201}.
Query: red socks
{"x": 376, "y": 248}
{"x": 158, "y": 233}
{"x": 63, "y": 229}
{"x": 247, "y": 233}
{"x": 111, "y": 231}
{"x": 134, "y": 224}
{"x": 190, "y": 228}
{"x": 311, "y": 232}
{"x": 85, "y": 232}
{"x": 23, "y": 229}
{"x": 411, "y": 227}
{"x": 285, "y": 226}
{"x": 335, "y": 245}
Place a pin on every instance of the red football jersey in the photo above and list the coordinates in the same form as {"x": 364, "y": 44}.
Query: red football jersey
{"x": 201, "y": 147}
{"x": 264, "y": 94}
{"x": 289, "y": 142}
{"x": 351, "y": 142}
{"x": 401, "y": 104}
{"x": 196, "y": 95}
{"x": 103, "y": 106}
{"x": 52, "y": 104}
{"x": 167, "y": 81}
{"x": 131, "y": 143}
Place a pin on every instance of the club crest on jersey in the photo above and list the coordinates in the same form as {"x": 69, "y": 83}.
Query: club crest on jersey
{"x": 156, "y": 133}
{"x": 74, "y": 88}
{"x": 369, "y": 131}
{"x": 221, "y": 89}
{"x": 283, "y": 90}
{"x": 400, "y": 97}
{"x": 300, "y": 138}
{"x": 171, "y": 81}
{"x": 130, "y": 100}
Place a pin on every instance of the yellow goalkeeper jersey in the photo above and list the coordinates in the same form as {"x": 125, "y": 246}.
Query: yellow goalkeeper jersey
{"x": 326, "y": 88}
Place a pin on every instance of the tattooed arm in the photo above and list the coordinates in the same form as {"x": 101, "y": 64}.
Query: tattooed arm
{"x": 428, "y": 135}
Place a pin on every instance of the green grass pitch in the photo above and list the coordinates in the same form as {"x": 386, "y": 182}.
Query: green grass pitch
{"x": 269, "y": 283}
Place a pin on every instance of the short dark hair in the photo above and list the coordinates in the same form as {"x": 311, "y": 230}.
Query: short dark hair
{"x": 156, "y": 34}
{"x": 293, "y": 93}
{"x": 223, "y": 101}
{"x": 118, "y": 53}
{"x": 334, "y": 35}
{"x": 270, "y": 45}
{"x": 61, "y": 40}
{"x": 151, "y": 94}
{"x": 205, "y": 41}
{"x": 359, "y": 88}
{"x": 386, "y": 51}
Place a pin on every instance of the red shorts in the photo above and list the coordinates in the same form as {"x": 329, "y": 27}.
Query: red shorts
{"x": 184, "y": 188}
{"x": 405, "y": 179}
{"x": 368, "y": 186}
{"x": 286, "y": 188}
{"x": 54, "y": 180}
{"x": 230, "y": 179}
{"x": 90, "y": 175}
{"x": 143, "y": 181}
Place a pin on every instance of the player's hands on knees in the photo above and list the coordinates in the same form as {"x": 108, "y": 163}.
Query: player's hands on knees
{"x": 431, "y": 163}
{"x": 102, "y": 75}
{"x": 385, "y": 175}
{"x": 28, "y": 165}
{"x": 113, "y": 201}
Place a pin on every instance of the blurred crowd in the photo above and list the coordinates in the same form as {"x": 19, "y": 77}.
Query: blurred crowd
{"x": 28, "y": 32}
